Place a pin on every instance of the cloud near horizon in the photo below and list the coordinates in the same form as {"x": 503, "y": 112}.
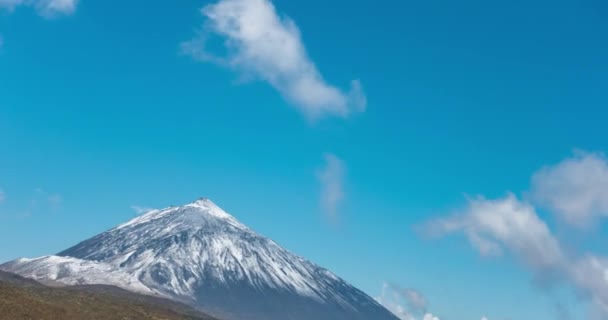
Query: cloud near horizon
{"x": 509, "y": 224}
{"x": 261, "y": 44}
{"x": 405, "y": 303}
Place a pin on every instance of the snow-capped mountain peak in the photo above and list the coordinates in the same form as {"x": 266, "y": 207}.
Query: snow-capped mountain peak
{"x": 197, "y": 213}
{"x": 201, "y": 255}
{"x": 211, "y": 208}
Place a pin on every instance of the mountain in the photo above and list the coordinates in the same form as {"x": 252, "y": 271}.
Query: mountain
{"x": 200, "y": 255}
{"x": 22, "y": 298}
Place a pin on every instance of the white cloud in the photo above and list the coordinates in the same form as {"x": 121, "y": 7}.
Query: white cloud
{"x": 52, "y": 8}
{"x": 331, "y": 178}
{"x": 429, "y": 316}
{"x": 492, "y": 225}
{"x": 514, "y": 226}
{"x": 394, "y": 303}
{"x": 45, "y": 8}
{"x": 405, "y": 303}
{"x": 261, "y": 44}
{"x": 590, "y": 277}
{"x": 415, "y": 300}
{"x": 576, "y": 189}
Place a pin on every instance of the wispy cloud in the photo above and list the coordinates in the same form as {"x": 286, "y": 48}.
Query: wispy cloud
{"x": 262, "y": 44}
{"x": 10, "y": 4}
{"x": 54, "y": 200}
{"x": 140, "y": 210}
{"x": 415, "y": 299}
{"x": 509, "y": 224}
{"x": 42, "y": 201}
{"x": 52, "y": 8}
{"x": 494, "y": 225}
{"x": 405, "y": 303}
{"x": 331, "y": 178}
{"x": 576, "y": 189}
{"x": 45, "y": 8}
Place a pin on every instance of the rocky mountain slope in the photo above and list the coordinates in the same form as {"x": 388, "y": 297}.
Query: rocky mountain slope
{"x": 200, "y": 255}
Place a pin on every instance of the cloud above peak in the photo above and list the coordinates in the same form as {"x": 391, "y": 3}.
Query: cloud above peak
{"x": 261, "y": 44}
{"x": 139, "y": 210}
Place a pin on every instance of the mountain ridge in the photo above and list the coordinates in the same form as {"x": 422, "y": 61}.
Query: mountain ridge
{"x": 203, "y": 256}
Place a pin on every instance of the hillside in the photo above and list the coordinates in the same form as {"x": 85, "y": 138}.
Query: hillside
{"x": 22, "y": 298}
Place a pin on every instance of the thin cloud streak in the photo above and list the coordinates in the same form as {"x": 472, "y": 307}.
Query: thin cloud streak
{"x": 331, "y": 179}
{"x": 405, "y": 303}
{"x": 140, "y": 210}
{"x": 45, "y": 8}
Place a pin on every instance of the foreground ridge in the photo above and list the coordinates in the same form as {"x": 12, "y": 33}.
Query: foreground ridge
{"x": 22, "y": 298}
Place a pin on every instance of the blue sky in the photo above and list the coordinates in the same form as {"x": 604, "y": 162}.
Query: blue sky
{"x": 380, "y": 141}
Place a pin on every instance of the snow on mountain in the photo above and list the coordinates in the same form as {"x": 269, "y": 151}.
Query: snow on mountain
{"x": 201, "y": 255}
{"x": 72, "y": 271}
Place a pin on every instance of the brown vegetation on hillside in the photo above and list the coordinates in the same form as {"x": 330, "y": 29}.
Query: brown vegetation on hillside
{"x": 23, "y": 299}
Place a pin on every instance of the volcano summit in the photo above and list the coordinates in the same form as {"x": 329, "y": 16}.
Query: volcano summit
{"x": 200, "y": 255}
